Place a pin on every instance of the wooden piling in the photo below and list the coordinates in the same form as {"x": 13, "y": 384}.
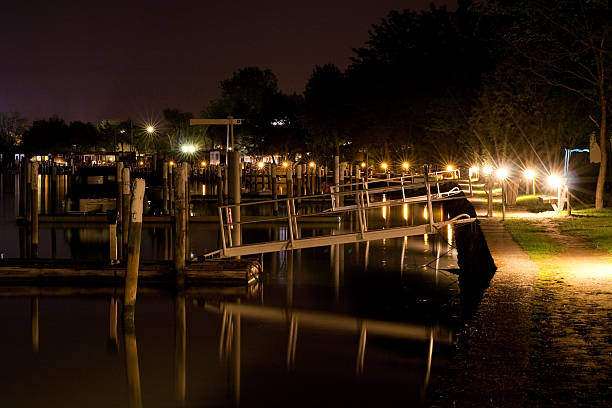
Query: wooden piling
{"x": 171, "y": 188}
{"x": 180, "y": 224}
{"x": 235, "y": 195}
{"x": 289, "y": 178}
{"x": 134, "y": 236}
{"x": 274, "y": 186}
{"x": 119, "y": 199}
{"x": 34, "y": 208}
{"x": 337, "y": 180}
{"x": 220, "y": 184}
{"x": 165, "y": 179}
{"x": 300, "y": 186}
{"x": 125, "y": 211}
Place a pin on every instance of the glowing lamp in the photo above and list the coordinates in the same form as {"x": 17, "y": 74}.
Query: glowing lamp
{"x": 150, "y": 129}
{"x": 405, "y": 165}
{"x": 260, "y": 165}
{"x": 171, "y": 163}
{"x": 285, "y": 164}
{"x": 450, "y": 167}
{"x": 363, "y": 164}
{"x": 502, "y": 173}
{"x": 554, "y": 180}
{"x": 203, "y": 164}
{"x": 141, "y": 162}
{"x": 311, "y": 164}
{"x": 384, "y": 165}
{"x": 529, "y": 174}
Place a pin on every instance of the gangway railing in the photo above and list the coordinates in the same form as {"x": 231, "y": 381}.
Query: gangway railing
{"x": 362, "y": 199}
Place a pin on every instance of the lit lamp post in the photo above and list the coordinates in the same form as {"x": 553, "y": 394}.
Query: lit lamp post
{"x": 487, "y": 170}
{"x": 530, "y": 175}
{"x": 502, "y": 174}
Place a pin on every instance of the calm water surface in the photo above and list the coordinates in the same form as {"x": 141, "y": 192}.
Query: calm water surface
{"x": 366, "y": 324}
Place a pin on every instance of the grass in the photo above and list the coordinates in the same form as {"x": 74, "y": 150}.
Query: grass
{"x": 593, "y": 225}
{"x": 536, "y": 243}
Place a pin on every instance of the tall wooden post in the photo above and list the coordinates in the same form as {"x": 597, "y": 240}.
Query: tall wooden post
{"x": 134, "y": 236}
{"x": 165, "y": 178}
{"x": 300, "y": 187}
{"x": 337, "y": 180}
{"x": 220, "y": 184}
{"x": 274, "y": 186}
{"x": 119, "y": 199}
{"x": 289, "y": 177}
{"x": 180, "y": 223}
{"x": 171, "y": 188}
{"x": 53, "y": 195}
{"x": 34, "y": 207}
{"x": 28, "y": 195}
{"x": 429, "y": 204}
{"x": 125, "y": 202}
{"x": 235, "y": 196}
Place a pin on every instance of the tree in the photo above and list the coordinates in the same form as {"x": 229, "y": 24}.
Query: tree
{"x": 415, "y": 68}
{"x": 565, "y": 44}
{"x": 12, "y": 126}
{"x": 325, "y": 109}
{"x": 252, "y": 94}
{"x": 47, "y": 135}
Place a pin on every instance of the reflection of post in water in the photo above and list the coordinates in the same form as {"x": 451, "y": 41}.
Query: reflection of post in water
{"x": 34, "y": 321}
{"x": 429, "y": 358}
{"x": 367, "y": 256}
{"x": 113, "y": 343}
{"x": 236, "y": 357}
{"x": 131, "y": 361}
{"x": 180, "y": 349}
{"x": 292, "y": 344}
{"x": 289, "y": 277}
{"x": 361, "y": 349}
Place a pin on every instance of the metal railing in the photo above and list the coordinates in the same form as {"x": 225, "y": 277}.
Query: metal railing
{"x": 361, "y": 197}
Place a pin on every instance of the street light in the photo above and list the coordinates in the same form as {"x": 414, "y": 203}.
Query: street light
{"x": 405, "y": 165}
{"x": 285, "y": 164}
{"x": 188, "y": 148}
{"x": 203, "y": 164}
{"x": 384, "y": 166}
{"x": 502, "y": 173}
{"x": 260, "y": 165}
{"x": 311, "y": 164}
{"x": 530, "y": 175}
{"x": 150, "y": 129}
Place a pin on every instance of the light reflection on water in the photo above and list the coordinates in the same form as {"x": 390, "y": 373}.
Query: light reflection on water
{"x": 326, "y": 326}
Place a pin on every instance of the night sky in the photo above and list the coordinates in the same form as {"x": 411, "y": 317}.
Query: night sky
{"x": 113, "y": 61}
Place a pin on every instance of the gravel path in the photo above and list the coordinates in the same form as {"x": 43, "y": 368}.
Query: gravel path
{"x": 492, "y": 359}
{"x": 542, "y": 335}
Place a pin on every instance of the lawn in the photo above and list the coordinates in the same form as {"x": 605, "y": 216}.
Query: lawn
{"x": 593, "y": 225}
{"x": 536, "y": 243}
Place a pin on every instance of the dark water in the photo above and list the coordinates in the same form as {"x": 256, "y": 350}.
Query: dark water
{"x": 365, "y": 324}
